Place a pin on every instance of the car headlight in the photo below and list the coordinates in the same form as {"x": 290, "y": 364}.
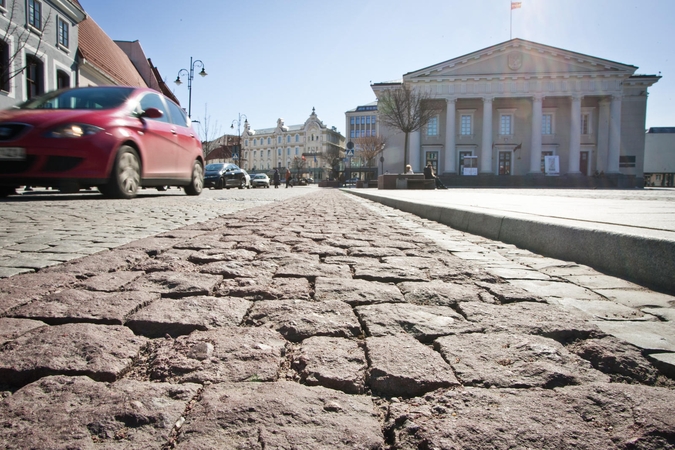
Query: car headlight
{"x": 73, "y": 130}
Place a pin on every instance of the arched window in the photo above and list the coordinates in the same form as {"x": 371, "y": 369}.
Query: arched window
{"x": 4, "y": 66}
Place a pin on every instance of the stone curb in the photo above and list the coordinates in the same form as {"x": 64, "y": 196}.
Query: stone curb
{"x": 645, "y": 261}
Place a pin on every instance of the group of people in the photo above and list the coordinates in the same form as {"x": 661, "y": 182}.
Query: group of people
{"x": 428, "y": 175}
{"x": 277, "y": 178}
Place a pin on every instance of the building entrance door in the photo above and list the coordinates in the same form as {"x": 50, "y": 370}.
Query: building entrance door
{"x": 583, "y": 163}
{"x": 432, "y": 157}
{"x": 462, "y": 155}
{"x": 504, "y": 163}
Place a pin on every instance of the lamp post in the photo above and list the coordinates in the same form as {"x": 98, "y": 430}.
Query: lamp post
{"x": 238, "y": 122}
{"x": 190, "y": 74}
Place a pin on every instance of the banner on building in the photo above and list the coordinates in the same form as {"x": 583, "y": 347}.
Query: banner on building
{"x": 552, "y": 165}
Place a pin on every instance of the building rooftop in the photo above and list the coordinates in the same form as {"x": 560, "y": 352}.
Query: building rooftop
{"x": 96, "y": 48}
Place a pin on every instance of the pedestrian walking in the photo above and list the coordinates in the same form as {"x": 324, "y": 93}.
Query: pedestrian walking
{"x": 430, "y": 175}
{"x": 408, "y": 170}
{"x": 277, "y": 178}
{"x": 288, "y": 178}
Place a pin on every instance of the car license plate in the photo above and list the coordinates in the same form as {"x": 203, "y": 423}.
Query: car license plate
{"x": 12, "y": 154}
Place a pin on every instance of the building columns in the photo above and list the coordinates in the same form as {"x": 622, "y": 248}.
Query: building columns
{"x": 614, "y": 135}
{"x": 575, "y": 136}
{"x": 535, "y": 151}
{"x": 603, "y": 136}
{"x": 415, "y": 150}
{"x": 486, "y": 150}
{"x": 450, "y": 133}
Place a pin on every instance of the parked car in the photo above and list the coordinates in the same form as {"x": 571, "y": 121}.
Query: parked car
{"x": 260, "y": 180}
{"x": 116, "y": 138}
{"x": 226, "y": 175}
{"x": 298, "y": 181}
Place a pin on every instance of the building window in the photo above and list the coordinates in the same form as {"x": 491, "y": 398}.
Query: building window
{"x": 585, "y": 123}
{"x": 4, "y": 66}
{"x": 288, "y": 139}
{"x": 297, "y": 138}
{"x": 505, "y": 124}
{"x": 465, "y": 125}
{"x": 547, "y": 124}
{"x": 62, "y": 79}
{"x": 35, "y": 14}
{"x": 627, "y": 161}
{"x": 34, "y": 77}
{"x": 432, "y": 126}
{"x": 288, "y": 151}
{"x": 297, "y": 151}
{"x": 269, "y": 141}
{"x": 62, "y": 32}
{"x": 279, "y": 152}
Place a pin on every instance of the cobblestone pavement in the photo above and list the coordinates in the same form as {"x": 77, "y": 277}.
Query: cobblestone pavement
{"x": 41, "y": 228}
{"x": 326, "y": 321}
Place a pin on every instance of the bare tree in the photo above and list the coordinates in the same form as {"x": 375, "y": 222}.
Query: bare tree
{"x": 369, "y": 148}
{"x": 12, "y": 66}
{"x": 406, "y": 110}
{"x": 332, "y": 157}
{"x": 211, "y": 132}
{"x": 298, "y": 164}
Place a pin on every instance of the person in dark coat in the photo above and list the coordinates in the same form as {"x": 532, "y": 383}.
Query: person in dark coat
{"x": 430, "y": 175}
{"x": 277, "y": 178}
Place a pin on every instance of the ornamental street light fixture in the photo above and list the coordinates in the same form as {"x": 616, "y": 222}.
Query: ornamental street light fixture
{"x": 238, "y": 122}
{"x": 190, "y": 74}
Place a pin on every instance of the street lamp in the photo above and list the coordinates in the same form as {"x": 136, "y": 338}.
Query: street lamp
{"x": 238, "y": 122}
{"x": 190, "y": 74}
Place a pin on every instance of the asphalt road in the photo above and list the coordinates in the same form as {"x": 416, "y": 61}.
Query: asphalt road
{"x": 44, "y": 228}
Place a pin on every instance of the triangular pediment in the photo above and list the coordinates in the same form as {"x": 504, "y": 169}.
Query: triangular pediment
{"x": 518, "y": 57}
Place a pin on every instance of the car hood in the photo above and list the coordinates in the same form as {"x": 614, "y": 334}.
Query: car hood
{"x": 45, "y": 118}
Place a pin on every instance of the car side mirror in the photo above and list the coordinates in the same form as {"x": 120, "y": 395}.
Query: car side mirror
{"x": 152, "y": 113}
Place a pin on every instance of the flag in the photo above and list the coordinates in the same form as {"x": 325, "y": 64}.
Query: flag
{"x": 516, "y": 5}
{"x": 518, "y": 146}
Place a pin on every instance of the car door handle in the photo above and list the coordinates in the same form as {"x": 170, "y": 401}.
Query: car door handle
{"x": 173, "y": 131}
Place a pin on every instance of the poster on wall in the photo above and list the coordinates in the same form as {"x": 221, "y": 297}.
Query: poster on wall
{"x": 552, "y": 165}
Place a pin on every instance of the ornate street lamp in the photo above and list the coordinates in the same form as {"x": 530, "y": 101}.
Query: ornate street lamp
{"x": 190, "y": 74}
{"x": 238, "y": 122}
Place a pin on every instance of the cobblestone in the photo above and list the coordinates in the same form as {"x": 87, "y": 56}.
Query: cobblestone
{"x": 274, "y": 326}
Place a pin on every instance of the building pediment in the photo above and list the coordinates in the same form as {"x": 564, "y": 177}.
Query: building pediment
{"x": 518, "y": 58}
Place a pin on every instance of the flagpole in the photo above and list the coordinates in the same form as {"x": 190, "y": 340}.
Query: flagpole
{"x": 511, "y": 26}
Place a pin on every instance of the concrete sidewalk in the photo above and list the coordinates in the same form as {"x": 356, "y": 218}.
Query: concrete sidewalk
{"x": 625, "y": 233}
{"x": 329, "y": 321}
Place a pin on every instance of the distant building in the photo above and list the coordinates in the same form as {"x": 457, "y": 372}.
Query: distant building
{"x": 510, "y": 106}
{"x": 289, "y": 146}
{"x": 361, "y": 122}
{"x": 660, "y": 157}
{"x": 38, "y": 44}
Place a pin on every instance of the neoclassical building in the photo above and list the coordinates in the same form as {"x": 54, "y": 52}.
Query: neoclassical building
{"x": 509, "y": 106}
{"x": 267, "y": 148}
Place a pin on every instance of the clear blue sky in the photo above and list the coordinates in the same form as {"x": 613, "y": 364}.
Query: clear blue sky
{"x": 279, "y": 58}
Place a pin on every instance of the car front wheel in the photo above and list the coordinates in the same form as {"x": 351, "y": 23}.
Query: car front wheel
{"x": 197, "y": 183}
{"x": 126, "y": 174}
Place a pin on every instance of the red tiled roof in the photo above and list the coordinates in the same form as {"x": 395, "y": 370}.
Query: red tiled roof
{"x": 99, "y": 50}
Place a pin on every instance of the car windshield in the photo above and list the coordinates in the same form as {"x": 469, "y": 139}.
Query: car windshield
{"x": 219, "y": 166}
{"x": 84, "y": 98}
{"x": 259, "y": 176}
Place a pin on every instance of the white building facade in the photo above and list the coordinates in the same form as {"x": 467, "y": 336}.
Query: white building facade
{"x": 509, "y": 106}
{"x": 284, "y": 146}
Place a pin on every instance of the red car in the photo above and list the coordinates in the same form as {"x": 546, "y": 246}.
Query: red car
{"x": 115, "y": 138}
